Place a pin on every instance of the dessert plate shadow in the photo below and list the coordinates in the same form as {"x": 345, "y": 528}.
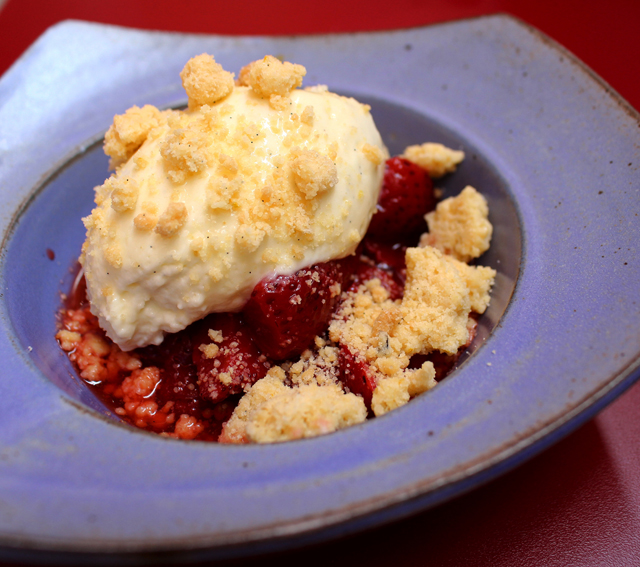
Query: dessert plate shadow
{"x": 551, "y": 146}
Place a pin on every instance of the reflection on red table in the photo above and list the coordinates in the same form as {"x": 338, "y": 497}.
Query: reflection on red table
{"x": 576, "y": 504}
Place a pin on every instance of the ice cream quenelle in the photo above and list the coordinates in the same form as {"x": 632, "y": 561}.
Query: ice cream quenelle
{"x": 256, "y": 177}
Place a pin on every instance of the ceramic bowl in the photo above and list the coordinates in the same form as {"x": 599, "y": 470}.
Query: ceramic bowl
{"x": 551, "y": 146}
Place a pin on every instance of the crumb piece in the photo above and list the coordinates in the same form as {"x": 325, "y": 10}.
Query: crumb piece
{"x": 172, "y": 220}
{"x": 188, "y": 427}
{"x": 306, "y": 411}
{"x": 250, "y": 236}
{"x": 228, "y": 166}
{"x": 392, "y": 393}
{"x": 269, "y": 76}
{"x": 373, "y": 153}
{"x": 185, "y": 152}
{"x": 205, "y": 81}
{"x": 68, "y": 339}
{"x": 124, "y": 193}
{"x": 113, "y": 255}
{"x": 234, "y": 430}
{"x": 243, "y": 76}
{"x": 209, "y": 351}
{"x": 307, "y": 116}
{"x": 129, "y": 131}
{"x": 436, "y": 304}
{"x": 437, "y": 159}
{"x": 313, "y": 173}
{"x": 148, "y": 218}
{"x": 279, "y": 102}
{"x": 460, "y": 226}
{"x": 479, "y": 281}
{"x": 215, "y": 335}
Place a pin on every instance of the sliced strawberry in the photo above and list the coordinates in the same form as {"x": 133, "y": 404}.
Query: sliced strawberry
{"x": 387, "y": 256}
{"x": 356, "y": 374}
{"x": 406, "y": 196}
{"x": 285, "y": 313}
{"x": 228, "y": 362}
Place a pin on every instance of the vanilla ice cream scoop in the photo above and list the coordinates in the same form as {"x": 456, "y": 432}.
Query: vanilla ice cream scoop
{"x": 253, "y": 180}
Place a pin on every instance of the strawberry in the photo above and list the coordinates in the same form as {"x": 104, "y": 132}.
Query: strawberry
{"x": 285, "y": 313}
{"x": 387, "y": 256}
{"x": 366, "y": 271}
{"x": 406, "y": 196}
{"x": 356, "y": 375}
{"x": 177, "y": 373}
{"x": 228, "y": 362}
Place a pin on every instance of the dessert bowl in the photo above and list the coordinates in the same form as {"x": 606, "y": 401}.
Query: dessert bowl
{"x": 547, "y": 142}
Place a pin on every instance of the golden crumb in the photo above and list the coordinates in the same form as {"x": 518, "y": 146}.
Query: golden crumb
{"x": 397, "y": 391}
{"x": 68, "y": 340}
{"x": 187, "y": 427}
{"x": 279, "y": 102}
{"x": 186, "y": 152}
{"x": 234, "y": 430}
{"x": 373, "y": 153}
{"x": 460, "y": 226}
{"x": 437, "y": 159}
{"x": 113, "y": 255}
{"x": 313, "y": 173}
{"x": 308, "y": 116}
{"x": 209, "y": 351}
{"x": 243, "y": 76}
{"x": 205, "y": 81}
{"x": 124, "y": 193}
{"x": 306, "y": 411}
{"x": 148, "y": 218}
{"x": 215, "y": 335}
{"x": 129, "y": 131}
{"x": 172, "y": 220}
{"x": 228, "y": 166}
{"x": 436, "y": 304}
{"x": 269, "y": 76}
{"x": 479, "y": 281}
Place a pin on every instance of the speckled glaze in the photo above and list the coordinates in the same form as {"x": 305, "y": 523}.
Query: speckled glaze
{"x": 555, "y": 151}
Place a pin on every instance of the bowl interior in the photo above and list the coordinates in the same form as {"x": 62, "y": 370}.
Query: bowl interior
{"x": 47, "y": 235}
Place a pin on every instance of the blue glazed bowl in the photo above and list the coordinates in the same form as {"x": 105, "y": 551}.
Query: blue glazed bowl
{"x": 551, "y": 146}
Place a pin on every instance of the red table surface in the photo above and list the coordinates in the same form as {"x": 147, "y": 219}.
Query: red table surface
{"x": 578, "y": 503}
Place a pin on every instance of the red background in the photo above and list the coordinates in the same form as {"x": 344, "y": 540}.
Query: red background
{"x": 577, "y": 504}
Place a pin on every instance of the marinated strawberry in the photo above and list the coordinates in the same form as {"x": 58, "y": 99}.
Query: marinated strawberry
{"x": 226, "y": 357}
{"x": 177, "y": 373}
{"x": 285, "y": 313}
{"x": 366, "y": 271}
{"x": 387, "y": 256}
{"x": 356, "y": 375}
{"x": 406, "y": 196}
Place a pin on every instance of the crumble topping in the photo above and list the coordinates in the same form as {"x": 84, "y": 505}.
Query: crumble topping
{"x": 272, "y": 411}
{"x": 205, "y": 81}
{"x": 172, "y": 220}
{"x": 313, "y": 173}
{"x": 459, "y": 226}
{"x": 437, "y": 159}
{"x": 129, "y": 131}
{"x": 269, "y": 77}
